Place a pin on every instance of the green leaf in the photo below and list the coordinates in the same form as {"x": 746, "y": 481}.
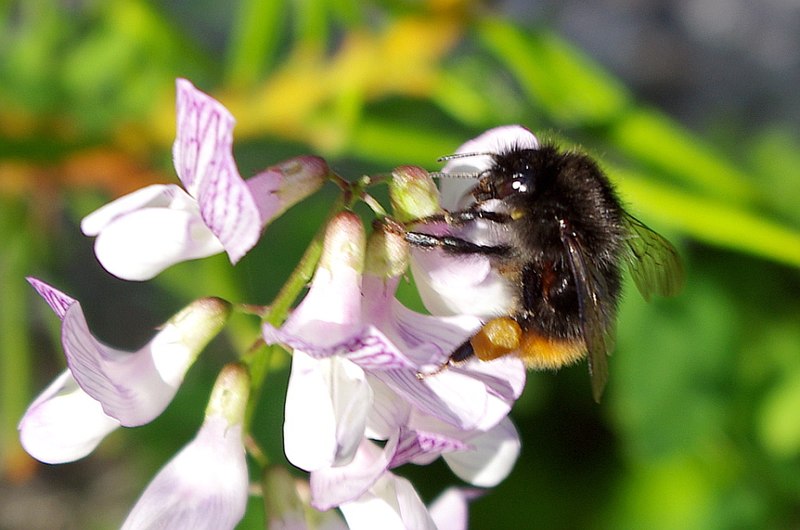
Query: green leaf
{"x": 655, "y": 140}
{"x": 254, "y": 39}
{"x": 570, "y": 87}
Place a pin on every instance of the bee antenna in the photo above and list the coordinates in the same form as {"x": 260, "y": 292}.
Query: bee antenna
{"x": 461, "y": 155}
{"x": 441, "y": 174}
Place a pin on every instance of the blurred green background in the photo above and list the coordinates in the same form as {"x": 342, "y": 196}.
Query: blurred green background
{"x": 690, "y": 105}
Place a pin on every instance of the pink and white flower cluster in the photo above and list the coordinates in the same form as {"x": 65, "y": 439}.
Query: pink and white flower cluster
{"x": 356, "y": 406}
{"x": 359, "y": 404}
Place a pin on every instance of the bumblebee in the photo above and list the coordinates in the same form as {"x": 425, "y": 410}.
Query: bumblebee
{"x": 566, "y": 238}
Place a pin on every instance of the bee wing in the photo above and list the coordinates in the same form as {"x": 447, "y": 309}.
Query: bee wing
{"x": 654, "y": 263}
{"x": 596, "y": 324}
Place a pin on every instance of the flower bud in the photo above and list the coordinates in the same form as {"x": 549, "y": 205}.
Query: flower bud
{"x": 345, "y": 243}
{"x": 229, "y": 396}
{"x": 387, "y": 253}
{"x": 283, "y": 185}
{"x": 413, "y": 193}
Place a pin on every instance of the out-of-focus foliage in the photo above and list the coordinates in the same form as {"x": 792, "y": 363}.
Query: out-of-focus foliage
{"x": 700, "y": 427}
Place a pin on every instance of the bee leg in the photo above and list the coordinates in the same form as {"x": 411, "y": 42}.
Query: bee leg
{"x": 462, "y": 217}
{"x": 454, "y": 245}
{"x": 459, "y": 356}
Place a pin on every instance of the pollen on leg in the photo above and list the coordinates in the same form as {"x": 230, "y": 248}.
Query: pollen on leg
{"x": 546, "y": 353}
{"x": 498, "y": 337}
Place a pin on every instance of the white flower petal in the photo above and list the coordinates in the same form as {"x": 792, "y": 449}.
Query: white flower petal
{"x": 392, "y": 503}
{"x": 450, "y": 509}
{"x": 462, "y": 285}
{"x": 63, "y": 424}
{"x": 141, "y": 244}
{"x": 153, "y": 196}
{"x": 203, "y": 486}
{"x": 333, "y": 486}
{"x": 326, "y": 411}
{"x": 493, "y": 456}
{"x": 203, "y": 156}
{"x": 429, "y": 340}
{"x": 388, "y": 412}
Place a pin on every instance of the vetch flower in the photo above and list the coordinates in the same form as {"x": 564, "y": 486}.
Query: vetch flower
{"x": 357, "y": 356}
{"x": 142, "y": 233}
{"x": 205, "y": 485}
{"x": 106, "y": 387}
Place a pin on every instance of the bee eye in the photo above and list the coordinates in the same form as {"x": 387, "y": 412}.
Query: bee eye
{"x": 519, "y": 183}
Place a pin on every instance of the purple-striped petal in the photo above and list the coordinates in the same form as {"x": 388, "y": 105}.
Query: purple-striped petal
{"x": 203, "y": 156}
{"x": 58, "y": 301}
{"x": 134, "y": 388}
{"x": 128, "y": 385}
{"x": 423, "y": 447}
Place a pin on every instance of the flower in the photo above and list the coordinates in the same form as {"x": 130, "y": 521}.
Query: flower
{"x": 205, "y": 485}
{"x": 105, "y": 387}
{"x": 357, "y": 356}
{"x": 142, "y": 233}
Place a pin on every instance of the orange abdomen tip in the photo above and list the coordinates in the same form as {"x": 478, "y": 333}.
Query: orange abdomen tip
{"x": 498, "y": 337}
{"x": 546, "y": 353}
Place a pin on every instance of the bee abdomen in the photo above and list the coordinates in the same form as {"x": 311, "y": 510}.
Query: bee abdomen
{"x": 541, "y": 352}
